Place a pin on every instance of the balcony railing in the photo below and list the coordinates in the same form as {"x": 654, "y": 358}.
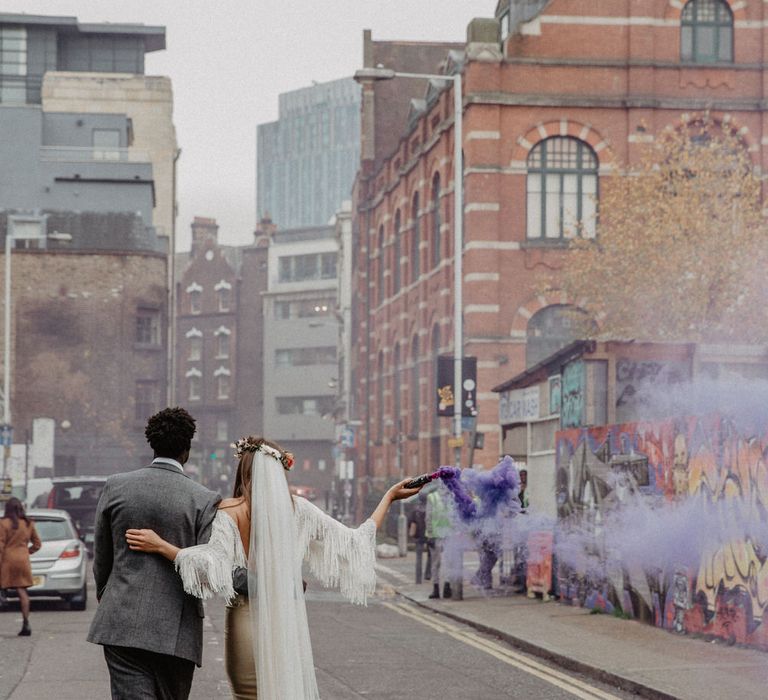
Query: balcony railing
{"x": 92, "y": 154}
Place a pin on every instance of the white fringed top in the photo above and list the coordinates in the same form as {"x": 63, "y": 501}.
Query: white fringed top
{"x": 335, "y": 554}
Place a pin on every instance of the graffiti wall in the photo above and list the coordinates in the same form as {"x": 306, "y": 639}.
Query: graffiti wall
{"x": 687, "y": 473}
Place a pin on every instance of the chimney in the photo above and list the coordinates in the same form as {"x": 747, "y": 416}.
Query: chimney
{"x": 205, "y": 234}
{"x": 265, "y": 229}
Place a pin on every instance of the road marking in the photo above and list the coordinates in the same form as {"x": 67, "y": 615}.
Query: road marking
{"x": 572, "y": 685}
{"x": 402, "y": 578}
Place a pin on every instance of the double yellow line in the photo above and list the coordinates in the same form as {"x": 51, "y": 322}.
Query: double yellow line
{"x": 572, "y": 685}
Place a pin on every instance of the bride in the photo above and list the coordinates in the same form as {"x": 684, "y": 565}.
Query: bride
{"x": 267, "y": 644}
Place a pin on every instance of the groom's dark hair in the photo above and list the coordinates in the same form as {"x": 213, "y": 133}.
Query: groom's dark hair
{"x": 169, "y": 432}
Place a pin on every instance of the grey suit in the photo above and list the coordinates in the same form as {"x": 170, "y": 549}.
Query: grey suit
{"x": 142, "y": 604}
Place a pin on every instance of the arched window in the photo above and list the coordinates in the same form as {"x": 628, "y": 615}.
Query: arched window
{"x": 552, "y": 328}
{"x": 380, "y": 388}
{"x": 396, "y": 391}
{"x": 706, "y": 32}
{"x": 437, "y": 220}
{"x": 415, "y": 388}
{"x": 397, "y": 255}
{"x": 433, "y": 394}
{"x": 382, "y": 291}
{"x": 415, "y": 239}
{"x": 562, "y": 190}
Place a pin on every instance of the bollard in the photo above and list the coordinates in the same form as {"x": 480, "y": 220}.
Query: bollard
{"x": 419, "y": 551}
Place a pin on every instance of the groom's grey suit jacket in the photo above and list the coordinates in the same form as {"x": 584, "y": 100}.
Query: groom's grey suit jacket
{"x": 141, "y": 601}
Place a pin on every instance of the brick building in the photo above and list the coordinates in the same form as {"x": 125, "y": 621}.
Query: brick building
{"x": 557, "y": 96}
{"x": 206, "y": 346}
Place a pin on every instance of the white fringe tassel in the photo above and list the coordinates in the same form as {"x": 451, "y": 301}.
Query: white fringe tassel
{"x": 338, "y": 555}
{"x": 206, "y": 569}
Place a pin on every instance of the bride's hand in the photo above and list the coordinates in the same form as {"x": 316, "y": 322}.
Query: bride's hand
{"x": 144, "y": 541}
{"x": 398, "y": 491}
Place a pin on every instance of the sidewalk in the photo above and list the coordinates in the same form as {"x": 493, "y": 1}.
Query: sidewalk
{"x": 652, "y": 662}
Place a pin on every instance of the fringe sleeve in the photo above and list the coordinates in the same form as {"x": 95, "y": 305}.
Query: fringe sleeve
{"x": 338, "y": 555}
{"x": 206, "y": 569}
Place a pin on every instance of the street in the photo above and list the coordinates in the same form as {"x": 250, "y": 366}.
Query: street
{"x": 391, "y": 649}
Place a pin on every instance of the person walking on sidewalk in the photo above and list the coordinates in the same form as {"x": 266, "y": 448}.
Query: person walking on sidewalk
{"x": 18, "y": 539}
{"x": 417, "y": 527}
{"x": 437, "y": 529}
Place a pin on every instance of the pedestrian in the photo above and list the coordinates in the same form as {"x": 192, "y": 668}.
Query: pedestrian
{"x": 438, "y": 527}
{"x": 417, "y": 528}
{"x": 18, "y": 539}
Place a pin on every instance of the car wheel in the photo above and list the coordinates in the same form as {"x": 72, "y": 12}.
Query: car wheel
{"x": 79, "y": 600}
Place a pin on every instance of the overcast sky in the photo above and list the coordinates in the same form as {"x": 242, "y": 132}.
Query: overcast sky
{"x": 229, "y": 60}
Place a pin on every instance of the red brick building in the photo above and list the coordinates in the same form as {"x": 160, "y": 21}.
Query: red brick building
{"x": 557, "y": 96}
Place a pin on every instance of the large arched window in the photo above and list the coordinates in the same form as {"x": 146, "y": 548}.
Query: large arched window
{"x": 706, "y": 32}
{"x": 562, "y": 190}
{"x": 552, "y": 328}
{"x": 437, "y": 220}
{"x": 415, "y": 239}
{"x": 415, "y": 388}
{"x": 397, "y": 255}
{"x": 382, "y": 291}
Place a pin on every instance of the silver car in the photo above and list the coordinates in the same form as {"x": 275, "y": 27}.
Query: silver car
{"x": 59, "y": 566}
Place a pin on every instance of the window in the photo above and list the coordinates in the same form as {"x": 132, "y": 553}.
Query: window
{"x": 195, "y": 301}
{"x": 193, "y": 387}
{"x": 706, "y": 32}
{"x": 282, "y": 310}
{"x": 28, "y": 231}
{"x": 415, "y": 387}
{"x": 298, "y": 357}
{"x": 382, "y": 291}
{"x": 415, "y": 239}
{"x": 146, "y": 397}
{"x": 433, "y": 400}
{"x": 222, "y": 386}
{"x": 313, "y": 266}
{"x": 13, "y": 65}
{"x": 436, "y": 220}
{"x": 148, "y": 326}
{"x": 396, "y": 390}
{"x": 562, "y": 190}
{"x": 222, "y": 345}
{"x": 552, "y": 328}
{"x": 223, "y": 297}
{"x": 106, "y": 144}
{"x": 304, "y": 405}
{"x": 305, "y": 308}
{"x": 222, "y": 430}
{"x": 195, "y": 348}
{"x": 380, "y": 387}
{"x": 396, "y": 256}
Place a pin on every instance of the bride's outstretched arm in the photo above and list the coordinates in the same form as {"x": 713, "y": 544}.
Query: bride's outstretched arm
{"x": 342, "y": 556}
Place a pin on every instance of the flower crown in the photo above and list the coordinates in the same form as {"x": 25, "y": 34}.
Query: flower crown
{"x": 252, "y": 444}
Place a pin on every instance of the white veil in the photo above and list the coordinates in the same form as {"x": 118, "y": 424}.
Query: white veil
{"x": 281, "y": 645}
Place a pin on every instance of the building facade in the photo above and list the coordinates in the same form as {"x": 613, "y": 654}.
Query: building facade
{"x": 557, "y": 97}
{"x": 89, "y": 272}
{"x": 306, "y": 160}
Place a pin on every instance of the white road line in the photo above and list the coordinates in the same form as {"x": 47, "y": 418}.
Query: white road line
{"x": 393, "y": 573}
{"x": 561, "y": 680}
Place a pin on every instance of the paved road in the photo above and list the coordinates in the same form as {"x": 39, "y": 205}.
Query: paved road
{"x": 388, "y": 650}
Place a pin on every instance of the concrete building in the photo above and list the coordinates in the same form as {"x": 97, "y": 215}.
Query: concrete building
{"x": 557, "y": 96}
{"x": 306, "y": 160}
{"x": 299, "y": 346}
{"x": 79, "y": 195}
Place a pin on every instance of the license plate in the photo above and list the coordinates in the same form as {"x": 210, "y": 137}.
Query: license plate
{"x": 38, "y": 581}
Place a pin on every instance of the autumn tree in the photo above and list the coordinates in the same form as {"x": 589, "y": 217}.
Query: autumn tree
{"x": 680, "y": 253}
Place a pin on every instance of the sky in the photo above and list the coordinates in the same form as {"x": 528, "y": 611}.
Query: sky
{"x": 229, "y": 60}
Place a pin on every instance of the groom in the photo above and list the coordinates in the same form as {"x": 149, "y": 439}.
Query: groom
{"x": 151, "y": 631}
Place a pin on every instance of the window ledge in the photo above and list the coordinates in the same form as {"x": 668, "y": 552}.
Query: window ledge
{"x": 147, "y": 346}
{"x": 557, "y": 243}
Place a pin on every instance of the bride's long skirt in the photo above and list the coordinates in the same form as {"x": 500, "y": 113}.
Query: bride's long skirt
{"x": 238, "y": 650}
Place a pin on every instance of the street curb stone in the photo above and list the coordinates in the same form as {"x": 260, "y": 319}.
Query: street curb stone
{"x": 599, "y": 674}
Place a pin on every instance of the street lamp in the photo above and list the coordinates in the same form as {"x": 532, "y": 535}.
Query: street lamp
{"x": 380, "y": 73}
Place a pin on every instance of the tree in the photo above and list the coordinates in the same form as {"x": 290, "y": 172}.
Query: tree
{"x": 681, "y": 253}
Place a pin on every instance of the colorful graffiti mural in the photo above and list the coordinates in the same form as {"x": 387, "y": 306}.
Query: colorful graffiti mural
{"x": 703, "y": 471}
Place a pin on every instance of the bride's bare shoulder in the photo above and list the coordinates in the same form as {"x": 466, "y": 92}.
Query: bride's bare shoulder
{"x": 227, "y": 503}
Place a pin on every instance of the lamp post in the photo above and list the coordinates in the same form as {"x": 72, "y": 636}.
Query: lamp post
{"x": 375, "y": 74}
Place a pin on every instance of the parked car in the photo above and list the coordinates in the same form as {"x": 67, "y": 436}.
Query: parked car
{"x": 78, "y": 495}
{"x": 59, "y": 566}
